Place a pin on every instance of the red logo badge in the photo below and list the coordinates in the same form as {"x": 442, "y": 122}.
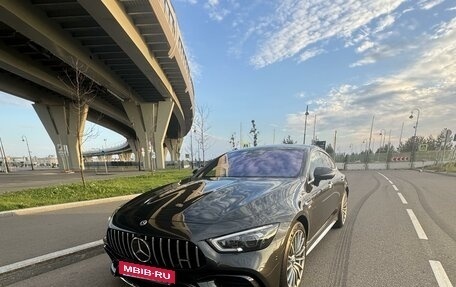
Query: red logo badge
{"x": 147, "y": 272}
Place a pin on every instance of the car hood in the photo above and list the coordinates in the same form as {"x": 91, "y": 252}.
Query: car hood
{"x": 227, "y": 204}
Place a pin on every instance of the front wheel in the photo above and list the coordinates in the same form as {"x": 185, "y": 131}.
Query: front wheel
{"x": 343, "y": 210}
{"x": 295, "y": 257}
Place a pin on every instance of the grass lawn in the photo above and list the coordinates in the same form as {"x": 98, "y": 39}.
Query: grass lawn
{"x": 94, "y": 190}
{"x": 447, "y": 167}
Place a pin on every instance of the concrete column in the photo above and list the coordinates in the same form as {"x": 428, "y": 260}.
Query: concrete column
{"x": 141, "y": 116}
{"x": 61, "y": 123}
{"x": 150, "y": 122}
{"x": 165, "y": 108}
{"x": 173, "y": 146}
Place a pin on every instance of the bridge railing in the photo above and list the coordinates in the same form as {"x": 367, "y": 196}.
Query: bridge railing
{"x": 170, "y": 16}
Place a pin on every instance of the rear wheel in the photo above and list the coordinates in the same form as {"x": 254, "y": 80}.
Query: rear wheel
{"x": 294, "y": 257}
{"x": 343, "y": 210}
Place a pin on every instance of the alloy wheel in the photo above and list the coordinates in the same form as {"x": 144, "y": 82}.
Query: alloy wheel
{"x": 296, "y": 259}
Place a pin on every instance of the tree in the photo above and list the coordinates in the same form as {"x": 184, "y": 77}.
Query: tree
{"x": 431, "y": 142}
{"x": 289, "y": 140}
{"x": 384, "y": 149}
{"x": 255, "y": 133}
{"x": 329, "y": 149}
{"x": 444, "y": 140}
{"x": 201, "y": 129}
{"x": 83, "y": 93}
{"x": 410, "y": 143}
{"x": 233, "y": 141}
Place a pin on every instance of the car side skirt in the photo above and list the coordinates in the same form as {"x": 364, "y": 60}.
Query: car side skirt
{"x": 320, "y": 237}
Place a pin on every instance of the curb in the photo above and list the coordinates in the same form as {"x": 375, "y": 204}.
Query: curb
{"x": 39, "y": 209}
{"x": 440, "y": 172}
{"x": 22, "y": 270}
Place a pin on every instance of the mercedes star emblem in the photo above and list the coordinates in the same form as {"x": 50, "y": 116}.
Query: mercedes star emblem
{"x": 141, "y": 249}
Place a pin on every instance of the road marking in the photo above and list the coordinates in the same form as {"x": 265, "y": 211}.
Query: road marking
{"x": 50, "y": 256}
{"x": 402, "y": 198}
{"x": 395, "y": 187}
{"x": 440, "y": 274}
{"x": 419, "y": 230}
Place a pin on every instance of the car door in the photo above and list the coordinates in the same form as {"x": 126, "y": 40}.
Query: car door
{"x": 322, "y": 195}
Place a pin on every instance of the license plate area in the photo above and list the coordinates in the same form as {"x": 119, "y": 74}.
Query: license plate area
{"x": 145, "y": 272}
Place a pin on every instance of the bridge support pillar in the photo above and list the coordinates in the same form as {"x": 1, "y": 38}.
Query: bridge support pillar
{"x": 61, "y": 123}
{"x": 165, "y": 109}
{"x": 174, "y": 146}
{"x": 150, "y": 122}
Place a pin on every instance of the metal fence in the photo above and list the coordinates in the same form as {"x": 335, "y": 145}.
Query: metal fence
{"x": 394, "y": 160}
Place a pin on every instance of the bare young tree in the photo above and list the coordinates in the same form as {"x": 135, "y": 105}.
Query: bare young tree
{"x": 289, "y": 140}
{"x": 254, "y": 131}
{"x": 201, "y": 130}
{"x": 83, "y": 93}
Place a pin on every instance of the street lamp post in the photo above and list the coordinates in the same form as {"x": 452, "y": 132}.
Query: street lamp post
{"x": 191, "y": 147}
{"x": 305, "y": 124}
{"x": 382, "y": 135}
{"x": 24, "y": 139}
{"x": 412, "y": 158}
{"x": 105, "y": 160}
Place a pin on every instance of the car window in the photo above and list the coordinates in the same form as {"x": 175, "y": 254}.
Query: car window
{"x": 326, "y": 161}
{"x": 319, "y": 159}
{"x": 257, "y": 163}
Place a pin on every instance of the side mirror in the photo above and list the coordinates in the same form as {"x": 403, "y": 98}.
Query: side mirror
{"x": 323, "y": 173}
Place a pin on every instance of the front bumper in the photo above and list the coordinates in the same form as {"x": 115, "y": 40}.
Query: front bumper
{"x": 250, "y": 269}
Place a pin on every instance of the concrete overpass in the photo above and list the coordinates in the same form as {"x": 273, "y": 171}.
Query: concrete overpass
{"x": 130, "y": 51}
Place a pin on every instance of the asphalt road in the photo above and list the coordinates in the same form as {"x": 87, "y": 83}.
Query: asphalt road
{"x": 378, "y": 246}
{"x": 24, "y": 178}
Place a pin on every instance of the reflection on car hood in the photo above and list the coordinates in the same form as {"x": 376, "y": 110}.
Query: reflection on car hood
{"x": 208, "y": 202}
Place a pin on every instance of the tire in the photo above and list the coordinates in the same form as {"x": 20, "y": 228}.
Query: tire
{"x": 294, "y": 257}
{"x": 343, "y": 210}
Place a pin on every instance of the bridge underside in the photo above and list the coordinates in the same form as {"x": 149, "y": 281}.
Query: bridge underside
{"x": 117, "y": 58}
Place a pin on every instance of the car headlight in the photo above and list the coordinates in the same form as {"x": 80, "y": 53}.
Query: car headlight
{"x": 114, "y": 212}
{"x": 244, "y": 241}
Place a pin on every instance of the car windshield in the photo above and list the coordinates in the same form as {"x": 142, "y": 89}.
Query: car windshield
{"x": 257, "y": 163}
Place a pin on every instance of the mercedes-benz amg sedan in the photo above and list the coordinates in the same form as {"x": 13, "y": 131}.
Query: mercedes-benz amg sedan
{"x": 247, "y": 218}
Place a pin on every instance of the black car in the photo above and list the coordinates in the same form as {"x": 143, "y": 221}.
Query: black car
{"x": 247, "y": 218}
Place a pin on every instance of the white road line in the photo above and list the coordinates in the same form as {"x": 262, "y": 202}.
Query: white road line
{"x": 50, "y": 256}
{"x": 402, "y": 198}
{"x": 395, "y": 187}
{"x": 440, "y": 274}
{"x": 419, "y": 230}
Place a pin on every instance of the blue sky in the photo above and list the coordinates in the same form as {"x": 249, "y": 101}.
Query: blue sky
{"x": 266, "y": 60}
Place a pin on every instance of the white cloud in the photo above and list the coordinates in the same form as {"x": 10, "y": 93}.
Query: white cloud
{"x": 309, "y": 54}
{"x": 429, "y": 4}
{"x": 217, "y": 12}
{"x": 429, "y": 83}
{"x": 10, "y": 100}
{"x": 296, "y": 25}
{"x": 384, "y": 23}
{"x": 365, "y": 46}
{"x": 365, "y": 61}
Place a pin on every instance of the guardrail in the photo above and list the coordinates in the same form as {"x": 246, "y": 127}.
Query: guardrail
{"x": 170, "y": 16}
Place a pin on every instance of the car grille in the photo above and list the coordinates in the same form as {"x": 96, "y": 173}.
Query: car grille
{"x": 165, "y": 252}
